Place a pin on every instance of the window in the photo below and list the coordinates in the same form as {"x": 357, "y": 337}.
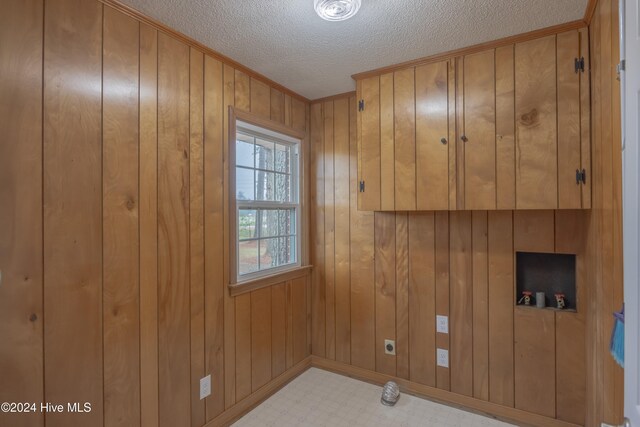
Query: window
{"x": 267, "y": 201}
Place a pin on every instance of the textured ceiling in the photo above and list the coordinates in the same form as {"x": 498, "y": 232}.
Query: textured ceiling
{"x": 286, "y": 41}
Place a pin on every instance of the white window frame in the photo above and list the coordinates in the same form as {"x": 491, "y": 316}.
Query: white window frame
{"x": 242, "y": 122}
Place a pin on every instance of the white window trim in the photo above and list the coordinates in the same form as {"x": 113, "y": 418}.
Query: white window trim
{"x": 245, "y": 122}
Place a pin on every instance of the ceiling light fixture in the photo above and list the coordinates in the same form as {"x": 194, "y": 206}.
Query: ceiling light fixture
{"x": 336, "y": 10}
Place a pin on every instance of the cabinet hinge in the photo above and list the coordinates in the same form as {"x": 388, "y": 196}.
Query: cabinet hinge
{"x": 361, "y": 105}
{"x": 362, "y": 186}
{"x": 581, "y": 176}
{"x": 579, "y": 64}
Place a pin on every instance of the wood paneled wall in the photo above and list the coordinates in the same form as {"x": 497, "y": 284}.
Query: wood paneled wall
{"x": 114, "y": 224}
{"x": 384, "y": 276}
{"x": 605, "y": 233}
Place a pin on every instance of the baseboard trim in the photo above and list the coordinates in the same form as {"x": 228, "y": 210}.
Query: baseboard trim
{"x": 441, "y": 396}
{"x": 254, "y": 399}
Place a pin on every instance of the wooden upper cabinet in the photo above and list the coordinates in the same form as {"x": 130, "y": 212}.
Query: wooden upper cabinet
{"x": 536, "y": 124}
{"x": 504, "y": 128}
{"x": 479, "y": 132}
{"x": 432, "y": 136}
{"x": 369, "y": 144}
{"x": 404, "y": 113}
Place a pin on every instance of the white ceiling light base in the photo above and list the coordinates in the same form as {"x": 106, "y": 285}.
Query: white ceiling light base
{"x": 336, "y": 10}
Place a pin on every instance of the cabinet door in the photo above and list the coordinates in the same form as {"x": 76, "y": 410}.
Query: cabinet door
{"x": 432, "y": 136}
{"x": 369, "y": 144}
{"x": 505, "y": 130}
{"x": 404, "y": 105}
{"x": 479, "y": 137}
{"x": 387, "y": 145}
{"x": 569, "y": 188}
{"x": 585, "y": 118}
{"x": 536, "y": 118}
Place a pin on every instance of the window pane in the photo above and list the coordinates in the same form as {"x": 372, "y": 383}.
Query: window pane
{"x": 264, "y": 185}
{"x": 265, "y": 153}
{"x": 286, "y": 250}
{"x": 269, "y": 223}
{"x": 287, "y": 222}
{"x": 244, "y": 150}
{"x": 244, "y": 184}
{"x": 247, "y": 224}
{"x": 283, "y": 159}
{"x": 248, "y": 256}
{"x": 283, "y": 188}
{"x": 268, "y": 253}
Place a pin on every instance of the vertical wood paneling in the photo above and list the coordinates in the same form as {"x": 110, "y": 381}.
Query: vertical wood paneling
{"x": 442, "y": 259}
{"x": 279, "y": 306}
{"x": 120, "y": 219}
{"x": 21, "y": 310}
{"x": 298, "y": 115}
{"x": 361, "y": 247}
{"x": 243, "y": 346}
{"x": 605, "y": 378}
{"x": 243, "y": 370}
{"x": 123, "y": 217}
{"x": 228, "y": 99}
{"x": 500, "y": 306}
{"x": 569, "y": 144}
{"x": 387, "y": 144}
{"x": 317, "y": 219}
{"x": 196, "y": 233}
{"x": 73, "y": 207}
{"x": 534, "y": 330}
{"x": 404, "y": 108}
{"x": 173, "y": 231}
{"x": 341, "y": 203}
{"x": 277, "y": 106}
{"x": 148, "y": 171}
{"x": 617, "y": 292}
{"x": 570, "y": 327}
{"x": 479, "y": 247}
{"x": 595, "y": 345}
{"x": 329, "y": 232}
{"x": 260, "y": 98}
{"x": 536, "y": 122}
{"x": 260, "y": 338}
{"x": 533, "y": 231}
{"x": 242, "y": 91}
{"x": 480, "y": 131}
{"x": 300, "y": 349}
{"x": 505, "y": 129}
{"x": 402, "y": 295}
{"x": 535, "y": 361}
{"x": 432, "y": 125}
{"x": 214, "y": 285}
{"x": 461, "y": 303}
{"x": 385, "y": 296}
{"x": 422, "y": 298}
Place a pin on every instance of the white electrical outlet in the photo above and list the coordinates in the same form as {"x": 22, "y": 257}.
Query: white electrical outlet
{"x": 205, "y": 387}
{"x": 442, "y": 324}
{"x": 390, "y": 347}
{"x": 443, "y": 357}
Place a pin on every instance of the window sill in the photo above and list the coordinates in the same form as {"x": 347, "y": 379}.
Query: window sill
{"x": 263, "y": 282}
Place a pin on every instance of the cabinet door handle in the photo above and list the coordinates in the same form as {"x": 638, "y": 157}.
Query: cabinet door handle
{"x": 443, "y": 141}
{"x": 464, "y": 138}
